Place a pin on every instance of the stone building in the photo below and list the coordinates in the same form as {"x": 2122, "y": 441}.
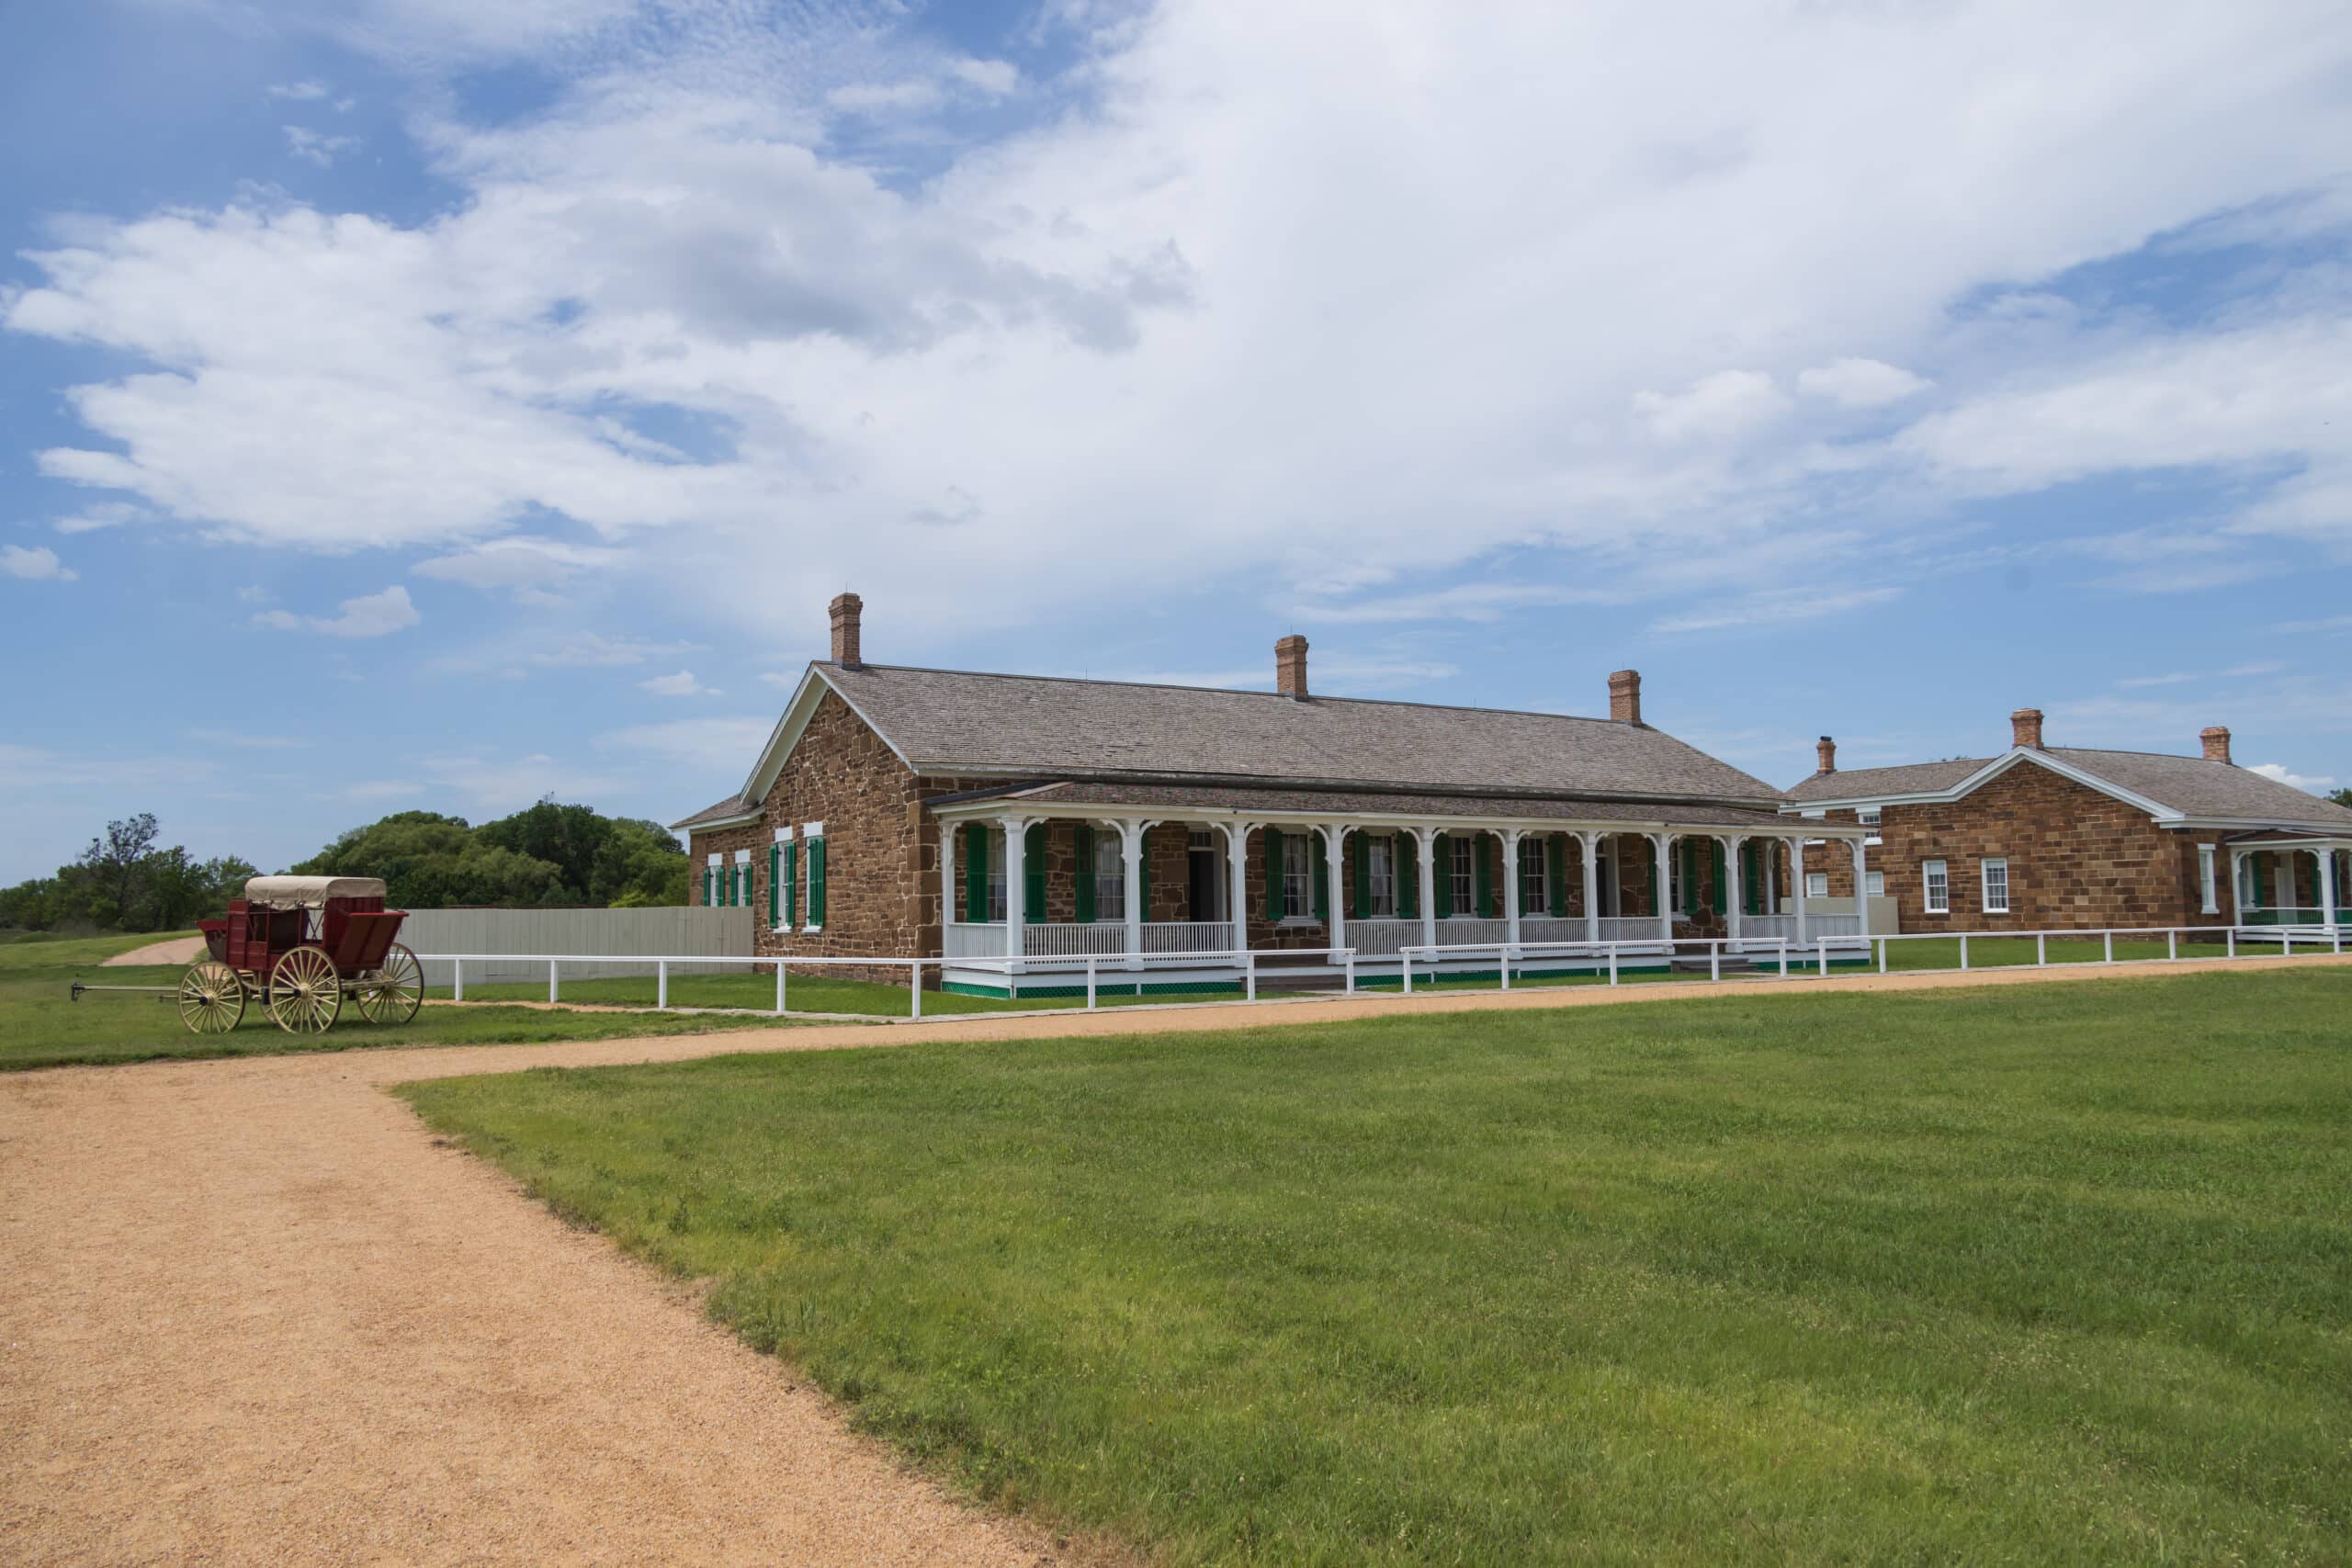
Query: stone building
{"x": 2044, "y": 838}
{"x": 1026, "y": 825}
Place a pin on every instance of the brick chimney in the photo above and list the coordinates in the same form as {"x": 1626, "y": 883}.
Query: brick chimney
{"x": 2217, "y": 744}
{"x": 1826, "y": 750}
{"x": 1625, "y": 697}
{"x": 845, "y": 609}
{"x": 1290, "y": 667}
{"x": 2025, "y": 728}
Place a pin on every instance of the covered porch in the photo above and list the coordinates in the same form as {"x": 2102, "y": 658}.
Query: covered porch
{"x": 1177, "y": 892}
{"x": 2292, "y": 879}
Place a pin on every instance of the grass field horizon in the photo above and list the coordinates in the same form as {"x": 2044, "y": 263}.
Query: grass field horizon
{"x": 2042, "y": 1274}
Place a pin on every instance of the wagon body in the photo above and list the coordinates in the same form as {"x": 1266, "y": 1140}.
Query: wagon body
{"x": 305, "y": 942}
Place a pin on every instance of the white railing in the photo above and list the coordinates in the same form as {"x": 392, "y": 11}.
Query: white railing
{"x": 1192, "y": 937}
{"x": 1786, "y": 958}
{"x": 1455, "y": 929}
{"x": 1551, "y": 927}
{"x": 1382, "y": 938}
{"x": 1072, "y": 939}
{"x": 975, "y": 939}
{"x": 1630, "y": 927}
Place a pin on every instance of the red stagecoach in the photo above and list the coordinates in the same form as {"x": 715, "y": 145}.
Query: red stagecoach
{"x": 302, "y": 944}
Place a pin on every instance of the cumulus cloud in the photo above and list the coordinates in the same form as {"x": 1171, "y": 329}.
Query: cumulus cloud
{"x": 681, "y": 685}
{"x": 530, "y": 568}
{"x": 1856, "y": 383}
{"x": 34, "y": 563}
{"x": 1726, "y": 404}
{"x": 2280, "y": 774}
{"x": 369, "y": 615}
{"x": 298, "y": 92}
{"x": 316, "y": 147}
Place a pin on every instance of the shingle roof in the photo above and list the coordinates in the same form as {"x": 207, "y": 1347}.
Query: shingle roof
{"x": 949, "y": 721}
{"x": 1344, "y": 803}
{"x": 2188, "y": 786}
{"x": 718, "y": 811}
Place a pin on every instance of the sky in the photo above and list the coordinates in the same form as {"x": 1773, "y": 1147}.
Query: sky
{"x": 431, "y": 405}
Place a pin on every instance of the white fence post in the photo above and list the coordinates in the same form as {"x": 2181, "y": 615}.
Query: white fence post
{"x": 1963, "y": 950}
{"x": 1784, "y": 958}
{"x": 1502, "y": 956}
{"x": 1405, "y": 967}
{"x": 1824, "y": 960}
{"x": 1090, "y": 981}
{"x": 1883, "y": 945}
{"x": 779, "y": 985}
{"x": 2042, "y": 950}
{"x": 1350, "y": 959}
{"x": 2111, "y": 945}
{"x": 662, "y": 985}
{"x": 2172, "y": 944}
{"x": 1612, "y": 962}
{"x": 457, "y": 979}
{"x": 551, "y": 992}
{"x": 914, "y": 988}
{"x": 1714, "y": 959}
{"x": 2233, "y": 942}
{"x": 1250, "y": 975}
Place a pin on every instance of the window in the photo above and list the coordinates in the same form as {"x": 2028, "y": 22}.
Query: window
{"x": 1876, "y": 882}
{"x": 1997, "y": 886}
{"x": 1298, "y": 876}
{"x": 1534, "y": 885}
{"x": 742, "y": 899}
{"x": 1867, "y": 817}
{"x": 1110, "y": 878}
{"x": 1937, "y": 886}
{"x": 1380, "y": 877}
{"x": 815, "y": 833}
{"x": 998, "y": 908}
{"x": 1462, "y": 848}
{"x": 1816, "y": 884}
{"x": 2207, "y": 890}
{"x": 712, "y": 893}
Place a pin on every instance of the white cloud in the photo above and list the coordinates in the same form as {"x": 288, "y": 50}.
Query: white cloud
{"x": 101, "y": 515}
{"x": 298, "y": 92}
{"x": 883, "y": 97}
{"x": 316, "y": 147}
{"x": 681, "y": 685}
{"x": 371, "y": 615}
{"x": 532, "y": 569}
{"x": 2278, "y": 772}
{"x": 994, "y": 77}
{"x": 34, "y": 563}
{"x": 1775, "y": 607}
{"x": 1856, "y": 383}
{"x": 1718, "y": 407}
{"x": 722, "y": 746}
{"x": 1373, "y": 291}
{"x": 596, "y": 650}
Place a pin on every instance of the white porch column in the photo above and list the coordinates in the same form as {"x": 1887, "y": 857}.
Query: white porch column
{"x": 1237, "y": 880}
{"x": 2237, "y": 881}
{"x": 1425, "y": 855}
{"x": 947, "y": 831}
{"x": 1510, "y": 837}
{"x": 1131, "y": 846}
{"x": 1592, "y": 858}
{"x": 1861, "y": 889}
{"x": 1016, "y": 883}
{"x": 1796, "y": 884}
{"x": 1662, "y": 844}
{"x": 2326, "y": 859}
{"x": 1335, "y": 839}
{"x": 1735, "y": 900}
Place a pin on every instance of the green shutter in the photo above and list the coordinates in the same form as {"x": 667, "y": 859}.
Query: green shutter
{"x": 976, "y": 871}
{"x": 1716, "y": 871}
{"x": 1273, "y": 873}
{"x": 1751, "y": 881}
{"x": 1319, "y": 873}
{"x": 1649, "y": 877}
{"x": 1405, "y": 855}
{"x": 2261, "y": 882}
{"x": 791, "y": 885}
{"x": 1555, "y": 861}
{"x": 817, "y": 881}
{"x": 1482, "y": 875}
{"x": 1033, "y": 875}
{"x": 1081, "y": 838}
{"x": 1444, "y": 878}
{"x": 1360, "y": 867}
{"x": 775, "y": 910}
{"x": 1689, "y": 876}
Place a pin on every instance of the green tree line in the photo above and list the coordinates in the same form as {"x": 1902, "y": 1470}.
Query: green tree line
{"x": 546, "y": 855}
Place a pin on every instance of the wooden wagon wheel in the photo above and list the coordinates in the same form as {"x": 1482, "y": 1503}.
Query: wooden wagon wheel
{"x": 393, "y": 993}
{"x": 212, "y": 999}
{"x": 305, "y": 993}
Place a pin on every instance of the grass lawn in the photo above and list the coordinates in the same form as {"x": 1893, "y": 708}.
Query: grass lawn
{"x": 2050, "y": 1274}
{"x": 40, "y": 1026}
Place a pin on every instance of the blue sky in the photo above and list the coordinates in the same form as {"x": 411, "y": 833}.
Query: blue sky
{"x": 425, "y": 403}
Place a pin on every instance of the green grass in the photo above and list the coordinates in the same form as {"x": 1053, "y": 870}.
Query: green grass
{"x": 40, "y": 1026}
{"x": 2042, "y": 1275}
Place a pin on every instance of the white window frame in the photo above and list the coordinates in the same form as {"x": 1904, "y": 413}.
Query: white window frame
{"x": 742, "y": 888}
{"x": 1816, "y": 884}
{"x": 1875, "y": 881}
{"x": 1462, "y": 848}
{"x": 1535, "y": 863}
{"x": 1298, "y": 879}
{"x": 1111, "y": 874}
{"x": 2208, "y": 885}
{"x": 1935, "y": 887}
{"x": 711, "y": 883}
{"x": 1380, "y": 858}
{"x": 1985, "y": 882}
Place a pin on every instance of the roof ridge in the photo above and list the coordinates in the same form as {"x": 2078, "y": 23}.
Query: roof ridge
{"x": 2128, "y": 752}
{"x": 1235, "y": 692}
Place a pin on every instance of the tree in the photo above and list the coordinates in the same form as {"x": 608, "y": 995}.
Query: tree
{"x": 546, "y": 854}
{"x": 114, "y": 866}
{"x": 2342, "y": 797}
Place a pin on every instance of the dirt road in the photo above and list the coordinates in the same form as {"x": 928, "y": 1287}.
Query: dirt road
{"x": 251, "y": 1312}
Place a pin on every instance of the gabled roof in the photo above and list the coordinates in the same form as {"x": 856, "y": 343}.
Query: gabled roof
{"x": 961, "y": 724}
{"x": 2168, "y": 786}
{"x": 734, "y": 809}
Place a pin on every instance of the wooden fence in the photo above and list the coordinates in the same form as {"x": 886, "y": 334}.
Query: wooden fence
{"x": 683, "y": 931}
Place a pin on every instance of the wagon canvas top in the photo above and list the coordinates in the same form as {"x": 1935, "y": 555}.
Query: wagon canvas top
{"x": 309, "y": 891}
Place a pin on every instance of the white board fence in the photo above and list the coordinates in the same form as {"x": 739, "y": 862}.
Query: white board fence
{"x": 680, "y": 931}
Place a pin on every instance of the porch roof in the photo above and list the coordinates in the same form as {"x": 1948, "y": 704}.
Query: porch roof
{"x": 961, "y": 723}
{"x": 1074, "y": 796}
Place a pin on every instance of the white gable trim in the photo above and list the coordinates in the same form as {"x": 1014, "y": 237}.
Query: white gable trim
{"x": 1992, "y": 769}
{"x": 788, "y": 729}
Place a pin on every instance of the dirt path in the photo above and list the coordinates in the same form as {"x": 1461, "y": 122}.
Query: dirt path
{"x": 250, "y": 1312}
{"x": 179, "y": 950}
